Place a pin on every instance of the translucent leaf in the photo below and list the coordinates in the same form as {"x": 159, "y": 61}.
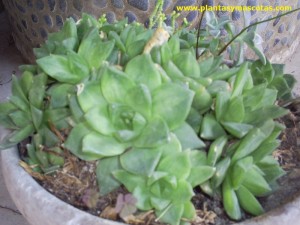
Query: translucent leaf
{"x": 172, "y": 102}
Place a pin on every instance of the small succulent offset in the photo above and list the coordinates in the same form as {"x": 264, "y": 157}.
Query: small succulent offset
{"x": 155, "y": 118}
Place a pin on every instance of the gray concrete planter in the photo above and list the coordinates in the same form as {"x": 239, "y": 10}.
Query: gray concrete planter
{"x": 40, "y": 207}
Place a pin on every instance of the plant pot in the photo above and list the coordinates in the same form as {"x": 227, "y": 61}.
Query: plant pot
{"x": 39, "y": 206}
{"x": 32, "y": 20}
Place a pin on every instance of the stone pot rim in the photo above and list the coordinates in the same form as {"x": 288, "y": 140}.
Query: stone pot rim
{"x": 36, "y": 204}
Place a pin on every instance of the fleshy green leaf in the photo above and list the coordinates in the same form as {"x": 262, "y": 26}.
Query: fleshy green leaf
{"x": 172, "y": 102}
{"x": 19, "y": 118}
{"x": 249, "y": 39}
{"x": 94, "y": 50}
{"x": 37, "y": 116}
{"x": 188, "y": 138}
{"x": 69, "y": 69}
{"x": 154, "y": 134}
{"x": 187, "y": 63}
{"x": 239, "y": 171}
{"x": 139, "y": 98}
{"x": 240, "y": 80}
{"x": 200, "y": 174}
{"x": 238, "y": 130}
{"x": 59, "y": 94}
{"x": 106, "y": 181}
{"x": 142, "y": 70}
{"x": 115, "y": 85}
{"x": 271, "y": 168}
{"x": 98, "y": 119}
{"x": 222, "y": 104}
{"x": 266, "y": 148}
{"x": 256, "y": 184}
{"x": 249, "y": 143}
{"x": 215, "y": 150}
{"x": 230, "y": 201}
{"x": 211, "y": 128}
{"x": 221, "y": 171}
{"x": 90, "y": 95}
{"x": 180, "y": 169}
{"x": 140, "y": 161}
{"x": 74, "y": 142}
{"x": 130, "y": 180}
{"x": 172, "y": 214}
{"x": 235, "y": 111}
{"x": 248, "y": 202}
{"x": 101, "y": 146}
{"x": 37, "y": 91}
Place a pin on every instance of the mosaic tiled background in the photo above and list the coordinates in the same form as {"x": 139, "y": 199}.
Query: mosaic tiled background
{"x": 32, "y": 20}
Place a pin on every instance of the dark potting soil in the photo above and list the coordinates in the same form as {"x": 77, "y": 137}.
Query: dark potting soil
{"x": 76, "y": 183}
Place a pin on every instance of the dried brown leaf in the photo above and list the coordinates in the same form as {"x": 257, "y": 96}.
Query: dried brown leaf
{"x": 109, "y": 213}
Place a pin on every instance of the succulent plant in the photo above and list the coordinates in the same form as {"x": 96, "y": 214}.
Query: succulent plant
{"x": 155, "y": 118}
